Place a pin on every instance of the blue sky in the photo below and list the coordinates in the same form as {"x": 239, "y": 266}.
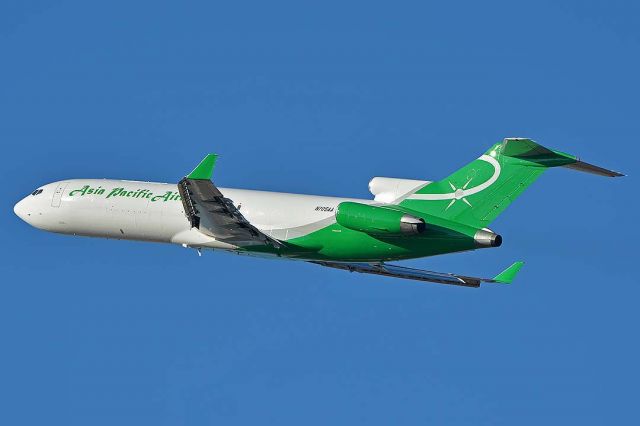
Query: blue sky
{"x": 318, "y": 99}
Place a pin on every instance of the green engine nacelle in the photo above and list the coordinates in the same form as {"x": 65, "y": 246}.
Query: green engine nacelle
{"x": 378, "y": 220}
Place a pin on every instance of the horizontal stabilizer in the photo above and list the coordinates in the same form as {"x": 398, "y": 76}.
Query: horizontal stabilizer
{"x": 526, "y": 149}
{"x": 590, "y": 168}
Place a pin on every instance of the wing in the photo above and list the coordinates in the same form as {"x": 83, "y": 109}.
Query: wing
{"x": 505, "y": 277}
{"x": 213, "y": 214}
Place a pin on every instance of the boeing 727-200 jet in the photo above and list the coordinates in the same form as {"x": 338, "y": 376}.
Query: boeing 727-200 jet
{"x": 406, "y": 219}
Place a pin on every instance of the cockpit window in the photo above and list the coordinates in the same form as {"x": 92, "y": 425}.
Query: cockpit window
{"x": 36, "y": 192}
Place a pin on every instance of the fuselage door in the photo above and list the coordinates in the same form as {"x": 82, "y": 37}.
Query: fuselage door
{"x": 57, "y": 195}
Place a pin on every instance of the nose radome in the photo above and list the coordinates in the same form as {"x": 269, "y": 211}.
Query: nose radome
{"x": 20, "y": 210}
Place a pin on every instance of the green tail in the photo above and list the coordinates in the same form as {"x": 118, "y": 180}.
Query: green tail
{"x": 477, "y": 193}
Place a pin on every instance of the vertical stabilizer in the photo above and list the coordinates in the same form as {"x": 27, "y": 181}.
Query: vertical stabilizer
{"x": 480, "y": 191}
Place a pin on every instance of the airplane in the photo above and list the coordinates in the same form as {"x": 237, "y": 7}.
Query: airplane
{"x": 406, "y": 219}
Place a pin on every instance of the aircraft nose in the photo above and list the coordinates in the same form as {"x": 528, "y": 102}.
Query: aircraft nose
{"x": 20, "y": 209}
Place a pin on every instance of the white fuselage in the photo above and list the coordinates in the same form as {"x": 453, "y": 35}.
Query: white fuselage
{"x": 151, "y": 211}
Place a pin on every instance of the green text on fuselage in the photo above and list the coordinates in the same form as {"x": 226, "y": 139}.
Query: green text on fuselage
{"x": 122, "y": 192}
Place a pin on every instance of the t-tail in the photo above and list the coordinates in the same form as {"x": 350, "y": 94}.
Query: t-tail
{"x": 477, "y": 193}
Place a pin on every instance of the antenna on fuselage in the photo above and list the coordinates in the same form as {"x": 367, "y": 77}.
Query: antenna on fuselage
{"x": 198, "y": 249}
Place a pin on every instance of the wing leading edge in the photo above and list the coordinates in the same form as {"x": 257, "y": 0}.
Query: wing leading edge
{"x": 395, "y": 271}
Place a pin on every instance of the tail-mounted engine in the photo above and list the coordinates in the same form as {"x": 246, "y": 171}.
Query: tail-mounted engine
{"x": 378, "y": 220}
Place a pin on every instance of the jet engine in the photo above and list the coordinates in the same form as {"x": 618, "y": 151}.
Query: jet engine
{"x": 378, "y": 220}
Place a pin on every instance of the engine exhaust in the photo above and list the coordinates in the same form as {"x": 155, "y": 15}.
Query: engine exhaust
{"x": 486, "y": 238}
{"x": 412, "y": 225}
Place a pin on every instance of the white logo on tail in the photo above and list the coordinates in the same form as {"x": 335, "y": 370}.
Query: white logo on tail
{"x": 461, "y": 193}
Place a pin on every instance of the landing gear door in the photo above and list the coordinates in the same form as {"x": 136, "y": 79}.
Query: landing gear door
{"x": 57, "y": 195}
